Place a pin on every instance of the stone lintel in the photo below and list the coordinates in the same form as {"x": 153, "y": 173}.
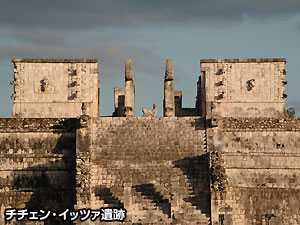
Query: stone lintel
{"x": 253, "y": 60}
{"x": 20, "y": 60}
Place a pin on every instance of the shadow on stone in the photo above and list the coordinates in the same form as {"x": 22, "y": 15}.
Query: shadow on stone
{"x": 196, "y": 170}
{"x": 199, "y": 124}
{"x": 52, "y": 184}
{"x": 106, "y": 195}
{"x": 70, "y": 124}
{"x": 148, "y": 191}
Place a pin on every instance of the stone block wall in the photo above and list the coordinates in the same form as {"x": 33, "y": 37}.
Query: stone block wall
{"x": 256, "y": 171}
{"x": 179, "y": 111}
{"x": 37, "y": 165}
{"x": 51, "y": 88}
{"x": 243, "y": 87}
{"x": 178, "y": 169}
{"x": 156, "y": 168}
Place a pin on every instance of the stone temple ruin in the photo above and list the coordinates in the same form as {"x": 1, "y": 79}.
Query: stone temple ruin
{"x": 234, "y": 159}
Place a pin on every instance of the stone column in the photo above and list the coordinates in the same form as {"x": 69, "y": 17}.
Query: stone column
{"x": 169, "y": 103}
{"x": 129, "y": 89}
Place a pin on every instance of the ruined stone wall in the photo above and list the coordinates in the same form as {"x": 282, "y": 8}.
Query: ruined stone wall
{"x": 156, "y": 168}
{"x": 255, "y": 170}
{"x": 37, "y": 165}
{"x": 243, "y": 87}
{"x": 51, "y": 88}
{"x": 177, "y": 169}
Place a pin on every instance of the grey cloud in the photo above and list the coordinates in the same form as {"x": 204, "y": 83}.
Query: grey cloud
{"x": 35, "y": 36}
{"x": 77, "y": 14}
{"x": 111, "y": 57}
{"x": 51, "y": 37}
{"x": 143, "y": 60}
{"x": 17, "y": 51}
{"x": 298, "y": 26}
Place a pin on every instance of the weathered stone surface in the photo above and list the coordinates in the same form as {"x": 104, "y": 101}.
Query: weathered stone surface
{"x": 37, "y": 164}
{"x": 243, "y": 87}
{"x": 259, "y": 163}
{"x": 129, "y": 89}
{"x": 261, "y": 123}
{"x": 169, "y": 101}
{"x": 45, "y": 88}
{"x": 161, "y": 161}
{"x": 214, "y": 169}
{"x": 257, "y": 60}
{"x": 36, "y": 124}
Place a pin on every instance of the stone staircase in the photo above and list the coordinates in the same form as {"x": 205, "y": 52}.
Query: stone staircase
{"x": 148, "y": 190}
{"x": 104, "y": 194}
{"x": 194, "y": 196}
{"x": 164, "y": 161}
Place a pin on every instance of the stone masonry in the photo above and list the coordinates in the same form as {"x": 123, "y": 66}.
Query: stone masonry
{"x": 124, "y": 101}
{"x": 55, "y": 88}
{"x": 244, "y": 87}
{"x": 234, "y": 159}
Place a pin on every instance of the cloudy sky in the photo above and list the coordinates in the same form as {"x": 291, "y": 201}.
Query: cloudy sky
{"x": 149, "y": 32}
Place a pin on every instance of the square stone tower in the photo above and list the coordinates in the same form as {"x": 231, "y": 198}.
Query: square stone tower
{"x": 46, "y": 88}
{"x": 243, "y": 87}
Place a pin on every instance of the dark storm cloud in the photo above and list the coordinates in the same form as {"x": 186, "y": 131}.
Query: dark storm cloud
{"x": 78, "y": 14}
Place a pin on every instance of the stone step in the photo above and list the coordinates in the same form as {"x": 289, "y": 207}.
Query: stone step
{"x": 148, "y": 191}
{"x": 104, "y": 194}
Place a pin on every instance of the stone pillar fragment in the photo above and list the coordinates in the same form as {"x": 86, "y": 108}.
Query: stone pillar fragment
{"x": 198, "y": 98}
{"x": 169, "y": 103}
{"x": 203, "y": 92}
{"x": 119, "y": 102}
{"x": 178, "y": 102}
{"x": 129, "y": 89}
